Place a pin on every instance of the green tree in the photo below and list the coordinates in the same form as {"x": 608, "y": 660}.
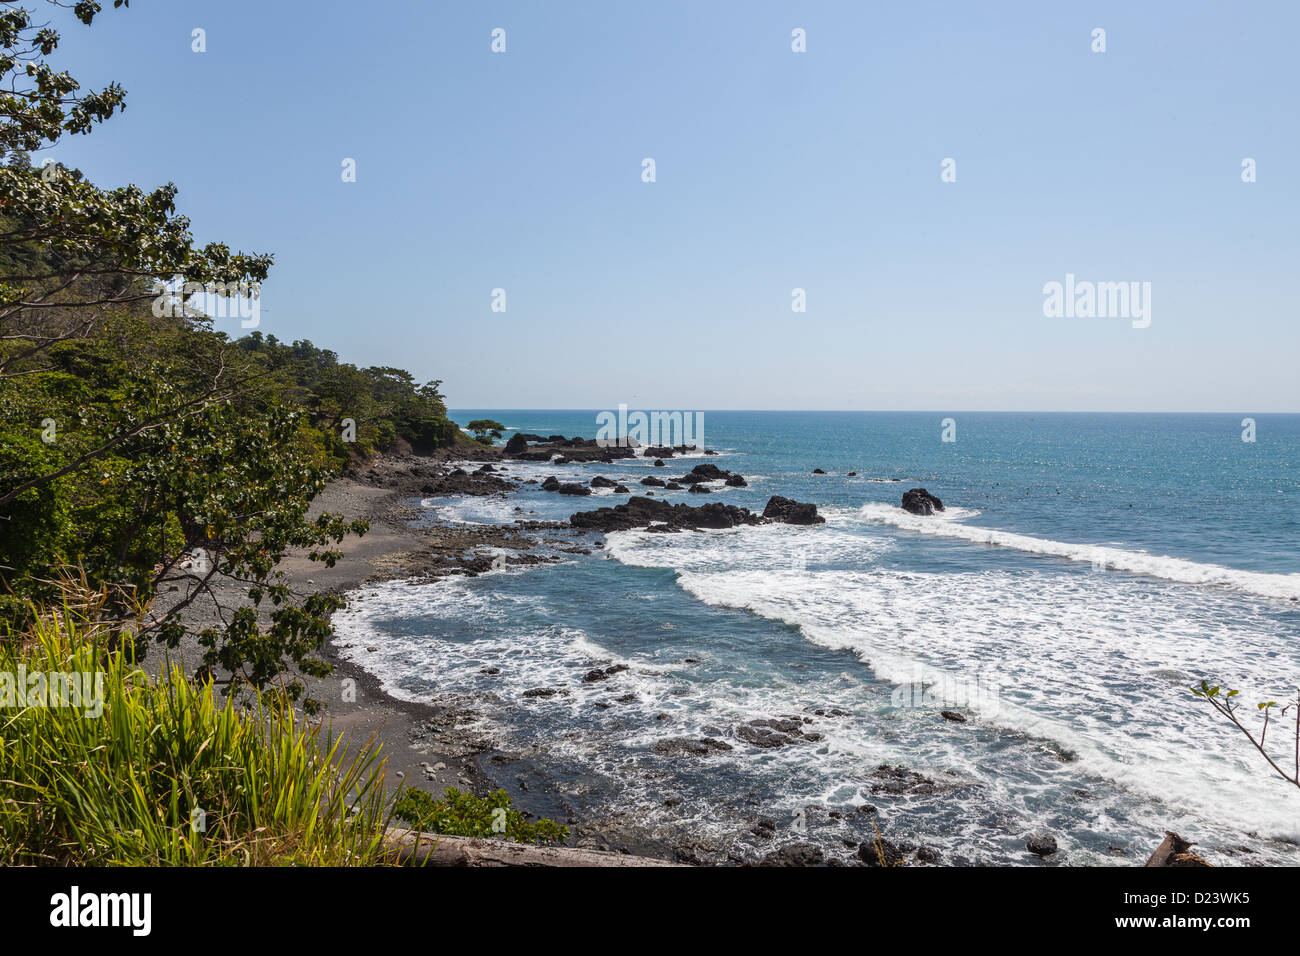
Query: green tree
{"x": 136, "y": 444}
{"x": 485, "y": 430}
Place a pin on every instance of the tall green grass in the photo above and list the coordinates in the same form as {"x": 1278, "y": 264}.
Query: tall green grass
{"x": 167, "y": 774}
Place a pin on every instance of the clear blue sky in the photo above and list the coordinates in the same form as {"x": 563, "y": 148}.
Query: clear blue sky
{"x": 775, "y": 170}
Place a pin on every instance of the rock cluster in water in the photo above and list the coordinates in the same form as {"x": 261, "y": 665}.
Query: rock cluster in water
{"x": 656, "y": 515}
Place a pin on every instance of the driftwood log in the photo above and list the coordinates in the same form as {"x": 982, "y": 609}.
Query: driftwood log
{"x": 1175, "y": 851}
{"x": 432, "y": 849}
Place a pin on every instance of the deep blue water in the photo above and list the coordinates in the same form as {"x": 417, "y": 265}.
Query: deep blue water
{"x": 1088, "y": 569}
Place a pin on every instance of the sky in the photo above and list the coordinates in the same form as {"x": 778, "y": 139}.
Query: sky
{"x": 774, "y": 170}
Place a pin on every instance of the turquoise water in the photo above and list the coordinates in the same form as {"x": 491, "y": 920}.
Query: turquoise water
{"x": 1088, "y": 570}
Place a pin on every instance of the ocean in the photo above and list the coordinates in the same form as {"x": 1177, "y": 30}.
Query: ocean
{"x": 1088, "y": 570}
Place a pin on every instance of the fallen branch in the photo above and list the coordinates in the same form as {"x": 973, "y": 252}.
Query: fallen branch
{"x": 414, "y": 848}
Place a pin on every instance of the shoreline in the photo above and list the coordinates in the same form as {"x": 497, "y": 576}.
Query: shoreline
{"x": 436, "y": 744}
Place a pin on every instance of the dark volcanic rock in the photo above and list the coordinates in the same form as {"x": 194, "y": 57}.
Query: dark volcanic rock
{"x": 600, "y": 481}
{"x": 597, "y": 674}
{"x": 652, "y": 481}
{"x": 659, "y": 463}
{"x": 791, "y": 512}
{"x": 920, "y": 502}
{"x": 536, "y": 448}
{"x": 880, "y": 852}
{"x": 573, "y": 488}
{"x": 461, "y": 482}
{"x": 672, "y": 486}
{"x": 768, "y": 733}
{"x": 706, "y": 472}
{"x": 699, "y": 490}
{"x": 640, "y": 512}
{"x": 550, "y": 484}
{"x": 689, "y": 746}
{"x": 818, "y": 471}
{"x": 543, "y": 692}
{"x": 621, "y": 490}
{"x": 736, "y": 481}
{"x": 1041, "y": 844}
{"x": 898, "y": 780}
{"x": 954, "y": 716}
{"x": 795, "y": 854}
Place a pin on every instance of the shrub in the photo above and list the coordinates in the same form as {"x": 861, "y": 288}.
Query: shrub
{"x": 164, "y": 774}
{"x": 463, "y": 814}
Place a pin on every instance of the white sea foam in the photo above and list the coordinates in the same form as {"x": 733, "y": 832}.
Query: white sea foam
{"x": 1100, "y": 665}
{"x": 1172, "y": 569}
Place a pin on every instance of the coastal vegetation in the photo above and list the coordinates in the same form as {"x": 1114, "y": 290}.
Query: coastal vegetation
{"x": 146, "y": 458}
{"x": 104, "y": 762}
{"x": 463, "y": 814}
{"x": 140, "y": 449}
{"x": 155, "y": 769}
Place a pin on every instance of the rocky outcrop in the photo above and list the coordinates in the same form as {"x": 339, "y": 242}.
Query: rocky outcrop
{"x": 536, "y": 448}
{"x": 667, "y": 451}
{"x": 795, "y": 854}
{"x": 641, "y": 512}
{"x": 920, "y": 502}
{"x": 689, "y": 746}
{"x": 600, "y": 674}
{"x": 460, "y": 482}
{"x": 656, "y": 515}
{"x": 791, "y": 512}
{"x": 600, "y": 481}
{"x": 880, "y": 852}
{"x": 701, "y": 473}
{"x": 771, "y": 732}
